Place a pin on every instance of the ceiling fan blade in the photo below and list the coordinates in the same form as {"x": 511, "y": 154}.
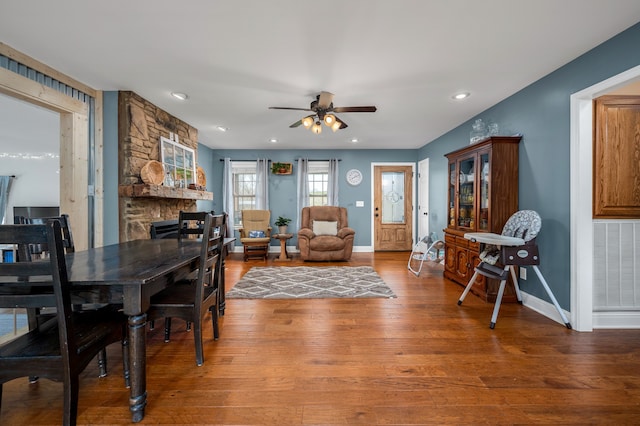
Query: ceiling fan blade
{"x": 299, "y": 122}
{"x": 325, "y": 99}
{"x": 355, "y": 109}
{"x": 295, "y": 109}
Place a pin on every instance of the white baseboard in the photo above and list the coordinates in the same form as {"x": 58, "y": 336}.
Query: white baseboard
{"x": 543, "y": 307}
{"x": 294, "y": 249}
{"x": 619, "y": 320}
{"x": 613, "y": 320}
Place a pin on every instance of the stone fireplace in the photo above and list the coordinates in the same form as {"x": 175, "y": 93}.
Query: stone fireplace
{"x": 140, "y": 126}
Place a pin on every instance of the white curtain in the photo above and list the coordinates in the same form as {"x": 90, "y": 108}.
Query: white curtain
{"x": 5, "y": 186}
{"x": 227, "y": 195}
{"x": 262, "y": 184}
{"x": 332, "y": 190}
{"x": 303, "y": 187}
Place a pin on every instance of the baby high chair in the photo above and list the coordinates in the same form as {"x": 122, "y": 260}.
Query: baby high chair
{"x": 516, "y": 246}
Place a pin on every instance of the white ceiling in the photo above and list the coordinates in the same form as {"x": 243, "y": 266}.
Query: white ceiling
{"x": 236, "y": 58}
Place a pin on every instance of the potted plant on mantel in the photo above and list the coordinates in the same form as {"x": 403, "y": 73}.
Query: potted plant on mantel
{"x": 282, "y": 223}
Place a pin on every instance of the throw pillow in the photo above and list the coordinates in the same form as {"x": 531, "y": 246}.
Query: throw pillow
{"x": 256, "y": 234}
{"x": 325, "y": 228}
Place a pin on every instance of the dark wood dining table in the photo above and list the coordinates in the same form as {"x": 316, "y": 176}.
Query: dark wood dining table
{"x": 128, "y": 274}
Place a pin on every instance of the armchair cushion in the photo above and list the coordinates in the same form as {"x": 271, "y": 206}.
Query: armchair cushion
{"x": 321, "y": 227}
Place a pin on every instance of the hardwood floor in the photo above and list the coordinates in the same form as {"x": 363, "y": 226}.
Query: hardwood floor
{"x": 415, "y": 359}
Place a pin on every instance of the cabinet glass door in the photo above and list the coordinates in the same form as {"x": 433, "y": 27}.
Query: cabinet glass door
{"x": 484, "y": 192}
{"x": 466, "y": 193}
{"x": 453, "y": 180}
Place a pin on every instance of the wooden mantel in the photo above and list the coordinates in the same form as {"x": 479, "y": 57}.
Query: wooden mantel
{"x": 142, "y": 190}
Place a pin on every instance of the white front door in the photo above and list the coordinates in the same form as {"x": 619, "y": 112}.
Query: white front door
{"x": 423, "y": 198}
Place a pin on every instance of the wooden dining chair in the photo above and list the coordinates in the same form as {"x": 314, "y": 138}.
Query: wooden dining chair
{"x": 164, "y": 229}
{"x": 34, "y": 315}
{"x": 193, "y": 298}
{"x": 65, "y": 229}
{"x": 58, "y": 348}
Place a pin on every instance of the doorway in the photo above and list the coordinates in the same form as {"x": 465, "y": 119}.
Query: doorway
{"x": 393, "y": 215}
{"x": 74, "y": 147}
{"x": 423, "y": 198}
{"x": 582, "y": 235}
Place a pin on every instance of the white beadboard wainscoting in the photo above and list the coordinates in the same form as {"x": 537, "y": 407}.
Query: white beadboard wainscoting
{"x": 616, "y": 273}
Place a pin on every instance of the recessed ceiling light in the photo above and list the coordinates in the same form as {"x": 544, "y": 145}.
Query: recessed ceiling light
{"x": 461, "y": 95}
{"x": 179, "y": 95}
{"x": 273, "y": 140}
{"x": 222, "y": 128}
{"x": 354, "y": 140}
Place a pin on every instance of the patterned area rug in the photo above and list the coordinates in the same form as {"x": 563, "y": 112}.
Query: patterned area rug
{"x": 307, "y": 282}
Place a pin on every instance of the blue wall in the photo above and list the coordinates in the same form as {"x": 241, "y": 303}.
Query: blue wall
{"x": 282, "y": 188}
{"x": 205, "y": 160}
{"x": 110, "y": 167}
{"x": 541, "y": 113}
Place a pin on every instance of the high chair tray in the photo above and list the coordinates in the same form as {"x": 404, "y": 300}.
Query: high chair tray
{"x": 495, "y": 239}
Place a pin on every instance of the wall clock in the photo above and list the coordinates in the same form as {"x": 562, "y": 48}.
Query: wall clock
{"x": 354, "y": 177}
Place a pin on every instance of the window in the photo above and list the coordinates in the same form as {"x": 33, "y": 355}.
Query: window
{"x": 318, "y": 180}
{"x": 179, "y": 163}
{"x": 244, "y": 188}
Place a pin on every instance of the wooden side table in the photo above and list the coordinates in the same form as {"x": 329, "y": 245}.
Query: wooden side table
{"x": 284, "y": 256}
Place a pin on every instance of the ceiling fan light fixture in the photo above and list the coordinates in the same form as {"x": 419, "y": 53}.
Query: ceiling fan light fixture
{"x": 329, "y": 119}
{"x": 316, "y": 128}
{"x": 307, "y": 122}
{"x": 336, "y": 125}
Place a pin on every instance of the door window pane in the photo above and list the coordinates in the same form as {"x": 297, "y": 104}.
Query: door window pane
{"x": 393, "y": 197}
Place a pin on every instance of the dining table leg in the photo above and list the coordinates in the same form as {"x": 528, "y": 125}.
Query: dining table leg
{"x": 138, "y": 363}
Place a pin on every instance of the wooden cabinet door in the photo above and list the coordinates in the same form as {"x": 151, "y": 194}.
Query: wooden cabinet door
{"x": 616, "y": 169}
{"x": 462, "y": 264}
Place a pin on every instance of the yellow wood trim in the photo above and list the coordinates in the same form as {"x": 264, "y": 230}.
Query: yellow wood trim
{"x": 98, "y": 233}
{"x": 15, "y": 85}
{"x": 11, "y": 53}
{"x": 74, "y": 175}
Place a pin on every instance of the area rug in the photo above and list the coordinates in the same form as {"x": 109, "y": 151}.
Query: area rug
{"x": 309, "y": 282}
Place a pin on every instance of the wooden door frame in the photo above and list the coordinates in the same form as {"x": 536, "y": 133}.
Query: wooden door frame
{"x": 422, "y": 202}
{"x": 74, "y": 138}
{"x": 413, "y": 197}
{"x": 581, "y": 198}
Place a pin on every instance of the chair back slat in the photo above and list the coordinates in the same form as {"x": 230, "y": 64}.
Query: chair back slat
{"x": 191, "y": 224}
{"x": 164, "y": 229}
{"x": 65, "y": 228}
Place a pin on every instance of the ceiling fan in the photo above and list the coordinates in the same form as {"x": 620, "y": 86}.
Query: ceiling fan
{"x": 323, "y": 111}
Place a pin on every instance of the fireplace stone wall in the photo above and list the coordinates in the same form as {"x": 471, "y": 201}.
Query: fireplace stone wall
{"x": 140, "y": 125}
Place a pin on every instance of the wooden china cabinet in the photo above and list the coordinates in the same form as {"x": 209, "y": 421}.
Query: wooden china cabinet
{"x": 482, "y": 195}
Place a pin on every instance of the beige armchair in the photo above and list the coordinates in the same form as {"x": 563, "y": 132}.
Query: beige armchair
{"x": 255, "y": 234}
{"x": 324, "y": 234}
